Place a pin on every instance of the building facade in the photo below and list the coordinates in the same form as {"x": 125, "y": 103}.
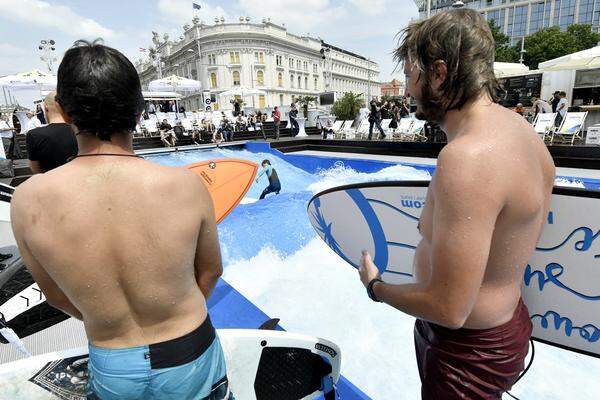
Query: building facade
{"x": 518, "y": 19}
{"x": 262, "y": 56}
{"x": 393, "y": 88}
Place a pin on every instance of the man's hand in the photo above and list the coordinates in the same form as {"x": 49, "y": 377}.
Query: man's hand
{"x": 367, "y": 270}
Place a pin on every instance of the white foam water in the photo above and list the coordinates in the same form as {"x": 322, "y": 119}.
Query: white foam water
{"x": 314, "y": 292}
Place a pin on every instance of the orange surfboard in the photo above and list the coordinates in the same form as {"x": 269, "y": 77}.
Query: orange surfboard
{"x": 227, "y": 180}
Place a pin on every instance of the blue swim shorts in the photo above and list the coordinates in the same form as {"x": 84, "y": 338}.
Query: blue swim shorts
{"x": 191, "y": 367}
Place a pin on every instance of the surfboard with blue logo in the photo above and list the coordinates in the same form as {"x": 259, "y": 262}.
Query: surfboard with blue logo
{"x": 561, "y": 284}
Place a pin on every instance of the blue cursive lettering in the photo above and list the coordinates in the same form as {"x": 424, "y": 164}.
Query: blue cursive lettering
{"x": 588, "y": 332}
{"x": 551, "y": 275}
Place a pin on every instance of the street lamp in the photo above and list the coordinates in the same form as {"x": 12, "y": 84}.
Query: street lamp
{"x": 46, "y": 47}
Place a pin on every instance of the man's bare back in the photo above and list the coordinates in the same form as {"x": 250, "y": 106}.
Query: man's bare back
{"x": 129, "y": 243}
{"x": 505, "y": 169}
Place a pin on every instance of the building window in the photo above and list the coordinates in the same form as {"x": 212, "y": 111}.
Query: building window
{"x": 260, "y": 78}
{"x": 316, "y": 84}
{"x": 213, "y": 80}
{"x": 536, "y": 21}
{"x": 298, "y": 64}
{"x": 261, "y": 101}
{"x": 306, "y": 83}
{"x": 234, "y": 57}
{"x": 306, "y": 65}
{"x": 292, "y": 80}
{"x": 212, "y": 59}
{"x": 299, "y": 83}
{"x": 279, "y": 61}
{"x": 280, "y": 79}
{"x": 291, "y": 63}
{"x": 236, "y": 78}
{"x": 315, "y": 68}
{"x": 259, "y": 57}
{"x": 281, "y": 100}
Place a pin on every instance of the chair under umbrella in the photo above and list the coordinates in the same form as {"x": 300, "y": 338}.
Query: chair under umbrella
{"x": 32, "y": 80}
{"x": 174, "y": 83}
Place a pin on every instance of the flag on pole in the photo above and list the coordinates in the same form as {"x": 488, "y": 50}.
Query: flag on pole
{"x": 196, "y": 6}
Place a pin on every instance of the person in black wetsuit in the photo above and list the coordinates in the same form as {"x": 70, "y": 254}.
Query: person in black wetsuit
{"x": 274, "y": 184}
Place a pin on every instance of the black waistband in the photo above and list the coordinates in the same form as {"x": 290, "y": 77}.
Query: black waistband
{"x": 184, "y": 349}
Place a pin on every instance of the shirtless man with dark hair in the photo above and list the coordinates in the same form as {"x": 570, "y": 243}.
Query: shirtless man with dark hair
{"x": 125, "y": 245}
{"x": 485, "y": 209}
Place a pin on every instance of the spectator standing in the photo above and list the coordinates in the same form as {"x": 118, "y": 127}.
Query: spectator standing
{"x": 554, "y": 101}
{"x": 561, "y": 108}
{"x": 151, "y": 108}
{"x": 39, "y": 113}
{"x": 375, "y": 119}
{"x": 53, "y": 145}
{"x": 293, "y": 115}
{"x": 540, "y": 106}
{"x": 276, "y": 121}
{"x": 395, "y": 115}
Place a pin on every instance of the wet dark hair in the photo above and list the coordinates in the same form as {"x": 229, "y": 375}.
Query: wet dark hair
{"x": 99, "y": 89}
{"x": 460, "y": 38}
{"x": 265, "y": 162}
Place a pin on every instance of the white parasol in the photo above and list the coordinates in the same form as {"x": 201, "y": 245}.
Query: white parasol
{"x": 29, "y": 80}
{"x": 242, "y": 91}
{"x": 174, "y": 83}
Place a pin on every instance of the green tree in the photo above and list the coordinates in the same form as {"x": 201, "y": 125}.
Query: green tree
{"x": 504, "y": 52}
{"x": 583, "y": 35}
{"x": 550, "y": 43}
{"x": 348, "y": 106}
{"x": 305, "y": 102}
{"x": 547, "y": 44}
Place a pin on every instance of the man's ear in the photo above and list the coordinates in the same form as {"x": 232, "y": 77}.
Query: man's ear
{"x": 439, "y": 72}
{"x": 63, "y": 113}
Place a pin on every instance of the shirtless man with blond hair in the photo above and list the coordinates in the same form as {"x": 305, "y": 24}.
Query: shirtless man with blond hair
{"x": 485, "y": 209}
{"x": 125, "y": 245}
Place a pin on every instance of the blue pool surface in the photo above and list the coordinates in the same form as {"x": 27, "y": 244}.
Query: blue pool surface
{"x": 280, "y": 225}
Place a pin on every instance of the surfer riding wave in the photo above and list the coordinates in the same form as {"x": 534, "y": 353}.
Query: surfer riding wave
{"x": 274, "y": 184}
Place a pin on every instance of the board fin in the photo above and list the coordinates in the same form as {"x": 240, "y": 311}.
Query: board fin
{"x": 269, "y": 325}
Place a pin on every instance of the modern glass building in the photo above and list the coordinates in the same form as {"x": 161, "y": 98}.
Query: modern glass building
{"x": 523, "y": 18}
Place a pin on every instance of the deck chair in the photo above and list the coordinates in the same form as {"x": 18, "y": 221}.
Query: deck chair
{"x": 417, "y": 130}
{"x": 363, "y": 129}
{"x": 188, "y": 126}
{"x": 403, "y": 132}
{"x": 544, "y": 124}
{"x": 337, "y": 129}
{"x": 150, "y": 127}
{"x": 348, "y": 132}
{"x": 571, "y": 127}
{"x": 385, "y": 125}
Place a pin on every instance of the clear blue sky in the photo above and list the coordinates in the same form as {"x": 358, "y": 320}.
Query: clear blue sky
{"x": 367, "y": 27}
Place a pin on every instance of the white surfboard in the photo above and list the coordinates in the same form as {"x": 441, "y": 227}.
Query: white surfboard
{"x": 561, "y": 285}
{"x": 6, "y": 236}
{"x": 260, "y": 365}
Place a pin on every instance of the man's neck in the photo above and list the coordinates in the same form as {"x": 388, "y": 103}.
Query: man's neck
{"x": 457, "y": 121}
{"x": 56, "y": 119}
{"x": 119, "y": 144}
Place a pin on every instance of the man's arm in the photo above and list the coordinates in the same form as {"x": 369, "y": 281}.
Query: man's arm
{"x": 54, "y": 294}
{"x": 465, "y": 212}
{"x": 207, "y": 263}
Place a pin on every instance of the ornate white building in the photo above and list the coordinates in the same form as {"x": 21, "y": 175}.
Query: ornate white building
{"x": 262, "y": 56}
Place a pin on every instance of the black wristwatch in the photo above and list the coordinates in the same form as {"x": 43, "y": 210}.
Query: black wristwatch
{"x": 371, "y": 292}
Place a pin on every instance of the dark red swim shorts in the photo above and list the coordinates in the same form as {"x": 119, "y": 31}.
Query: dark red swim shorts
{"x": 471, "y": 363}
